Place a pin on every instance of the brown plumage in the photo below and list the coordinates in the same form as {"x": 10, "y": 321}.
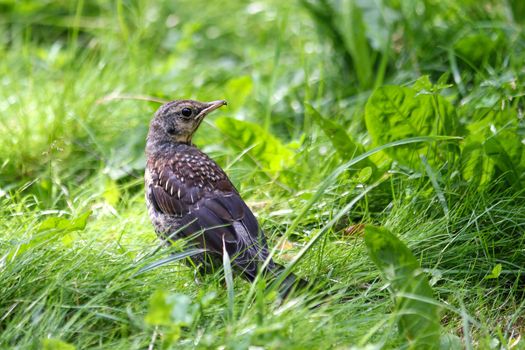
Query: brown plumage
{"x": 189, "y": 195}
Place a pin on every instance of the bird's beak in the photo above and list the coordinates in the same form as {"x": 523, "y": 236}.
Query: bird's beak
{"x": 210, "y": 107}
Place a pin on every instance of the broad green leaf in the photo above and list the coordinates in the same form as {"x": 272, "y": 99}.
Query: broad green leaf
{"x": 268, "y": 150}
{"x": 450, "y": 342}
{"x": 478, "y": 47}
{"x": 394, "y": 113}
{"x": 183, "y": 310}
{"x": 494, "y": 142}
{"x": 56, "y": 344}
{"x": 423, "y": 83}
{"x": 159, "y": 309}
{"x": 169, "y": 311}
{"x": 415, "y": 304}
{"x": 364, "y": 175}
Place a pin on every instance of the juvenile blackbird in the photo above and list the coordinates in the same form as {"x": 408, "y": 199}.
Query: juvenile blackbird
{"x": 189, "y": 195}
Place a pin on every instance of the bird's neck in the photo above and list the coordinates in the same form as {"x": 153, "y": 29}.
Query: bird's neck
{"x": 158, "y": 141}
{"x": 154, "y": 147}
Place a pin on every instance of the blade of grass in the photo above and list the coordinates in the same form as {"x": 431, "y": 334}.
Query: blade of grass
{"x": 287, "y": 270}
{"x": 439, "y": 192}
{"x": 169, "y": 259}
{"x": 228, "y": 276}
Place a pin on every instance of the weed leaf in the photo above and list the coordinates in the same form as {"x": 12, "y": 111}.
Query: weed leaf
{"x": 415, "y": 305}
{"x": 268, "y": 151}
{"x": 49, "y": 229}
{"x": 56, "y": 344}
{"x": 171, "y": 309}
{"x": 65, "y": 225}
{"x": 495, "y": 273}
{"x": 341, "y": 141}
{"x": 394, "y": 113}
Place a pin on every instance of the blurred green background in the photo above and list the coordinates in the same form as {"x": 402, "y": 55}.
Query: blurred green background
{"x": 310, "y": 85}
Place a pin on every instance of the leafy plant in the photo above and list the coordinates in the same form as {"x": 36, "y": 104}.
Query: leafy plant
{"x": 394, "y": 112}
{"x": 341, "y": 141}
{"x": 415, "y": 306}
{"x": 266, "y": 150}
{"x": 51, "y": 228}
{"x": 359, "y": 33}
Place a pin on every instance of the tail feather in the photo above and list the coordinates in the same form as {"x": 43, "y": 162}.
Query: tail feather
{"x": 293, "y": 283}
{"x": 290, "y": 282}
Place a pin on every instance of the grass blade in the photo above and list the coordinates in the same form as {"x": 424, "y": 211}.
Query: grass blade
{"x": 433, "y": 179}
{"x": 228, "y": 276}
{"x": 169, "y": 259}
{"x": 319, "y": 234}
{"x": 338, "y": 171}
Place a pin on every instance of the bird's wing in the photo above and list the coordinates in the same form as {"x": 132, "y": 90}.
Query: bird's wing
{"x": 212, "y": 212}
{"x": 227, "y": 221}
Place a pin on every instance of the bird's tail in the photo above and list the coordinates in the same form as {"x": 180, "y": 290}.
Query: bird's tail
{"x": 317, "y": 297}
{"x": 274, "y": 273}
{"x": 290, "y": 282}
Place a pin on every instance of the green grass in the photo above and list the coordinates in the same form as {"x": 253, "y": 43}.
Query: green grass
{"x": 316, "y": 84}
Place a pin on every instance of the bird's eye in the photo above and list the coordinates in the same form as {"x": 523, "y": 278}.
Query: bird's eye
{"x": 186, "y": 112}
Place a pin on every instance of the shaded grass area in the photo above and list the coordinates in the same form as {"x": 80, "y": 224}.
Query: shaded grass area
{"x": 80, "y": 81}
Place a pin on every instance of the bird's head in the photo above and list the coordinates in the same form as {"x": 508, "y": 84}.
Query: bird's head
{"x": 177, "y": 121}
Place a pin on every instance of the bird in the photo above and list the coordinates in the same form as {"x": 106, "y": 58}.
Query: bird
{"x": 189, "y": 196}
